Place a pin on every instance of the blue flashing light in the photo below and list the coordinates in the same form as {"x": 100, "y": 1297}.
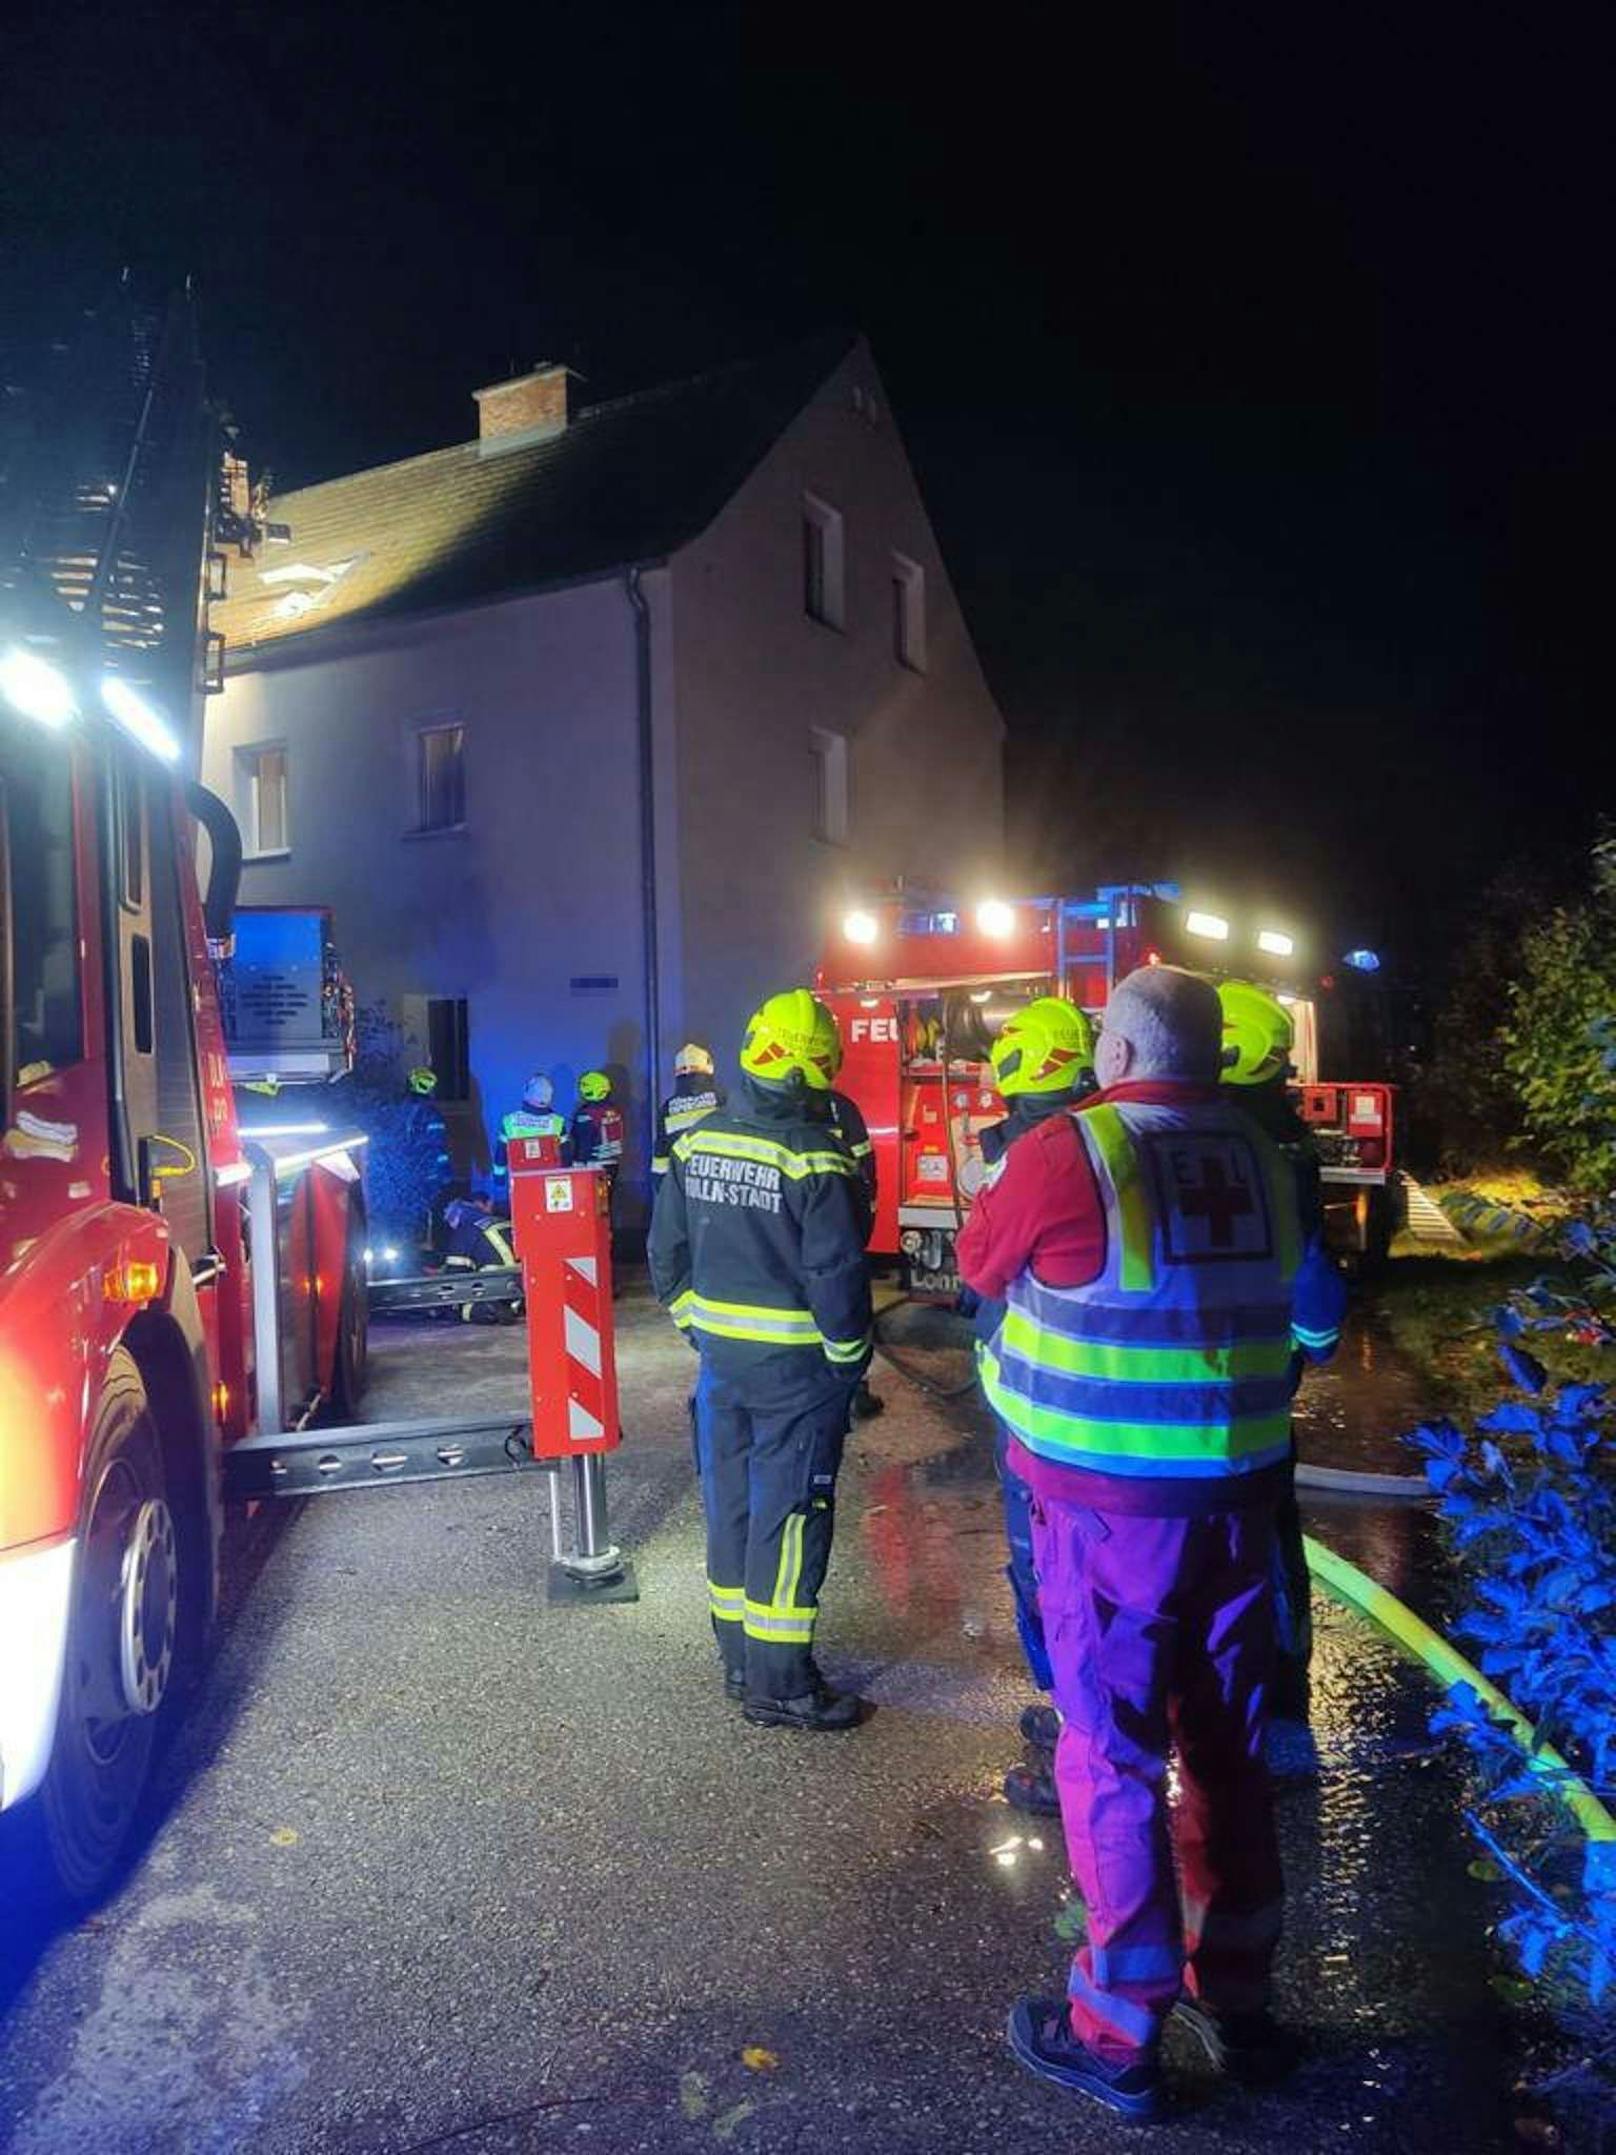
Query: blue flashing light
{"x": 1362, "y": 961}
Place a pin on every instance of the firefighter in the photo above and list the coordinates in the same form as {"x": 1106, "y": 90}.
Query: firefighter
{"x": 537, "y": 1117}
{"x": 757, "y": 1251}
{"x": 696, "y": 1092}
{"x": 477, "y": 1238}
{"x": 410, "y": 1164}
{"x": 1043, "y": 1064}
{"x": 1258, "y": 1036}
{"x": 1150, "y": 1255}
{"x": 597, "y": 1125}
{"x": 596, "y": 1137}
{"x": 846, "y": 1118}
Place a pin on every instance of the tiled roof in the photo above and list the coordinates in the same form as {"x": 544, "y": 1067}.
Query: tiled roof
{"x": 626, "y": 481}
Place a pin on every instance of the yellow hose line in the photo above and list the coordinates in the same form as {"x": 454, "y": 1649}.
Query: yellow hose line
{"x": 1450, "y": 1668}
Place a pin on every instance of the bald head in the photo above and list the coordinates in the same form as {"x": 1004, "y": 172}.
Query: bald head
{"x": 1161, "y": 1022}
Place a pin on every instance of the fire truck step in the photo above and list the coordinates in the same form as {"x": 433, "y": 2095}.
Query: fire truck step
{"x": 370, "y": 1454}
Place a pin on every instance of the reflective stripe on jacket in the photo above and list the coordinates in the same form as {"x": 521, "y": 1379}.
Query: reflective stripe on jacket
{"x": 531, "y": 1122}
{"x": 847, "y": 1120}
{"x": 756, "y": 1248}
{"x": 1175, "y": 1360}
{"x": 691, "y": 1100}
{"x": 597, "y": 1133}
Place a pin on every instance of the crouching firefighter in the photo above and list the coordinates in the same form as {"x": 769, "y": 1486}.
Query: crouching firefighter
{"x": 757, "y": 1252}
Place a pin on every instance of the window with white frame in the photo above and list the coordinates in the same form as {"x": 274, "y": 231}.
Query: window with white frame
{"x": 440, "y": 778}
{"x": 262, "y": 798}
{"x": 909, "y": 613}
{"x": 829, "y": 755}
{"x": 824, "y": 563}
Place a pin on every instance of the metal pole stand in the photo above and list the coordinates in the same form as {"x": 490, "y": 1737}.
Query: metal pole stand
{"x": 594, "y": 1569}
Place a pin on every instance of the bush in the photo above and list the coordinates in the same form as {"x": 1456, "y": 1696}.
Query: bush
{"x": 1557, "y": 1043}
{"x": 1529, "y": 1503}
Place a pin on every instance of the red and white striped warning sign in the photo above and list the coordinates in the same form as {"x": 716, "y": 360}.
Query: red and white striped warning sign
{"x": 580, "y": 1323}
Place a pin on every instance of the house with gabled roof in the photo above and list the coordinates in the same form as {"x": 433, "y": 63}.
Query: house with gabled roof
{"x": 588, "y": 729}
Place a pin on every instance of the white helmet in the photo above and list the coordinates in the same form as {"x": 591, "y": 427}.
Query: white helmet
{"x": 693, "y": 1060}
{"x": 538, "y": 1092}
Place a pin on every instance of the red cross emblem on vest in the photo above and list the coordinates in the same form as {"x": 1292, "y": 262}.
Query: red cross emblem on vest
{"x": 1211, "y": 1189}
{"x": 1218, "y": 1201}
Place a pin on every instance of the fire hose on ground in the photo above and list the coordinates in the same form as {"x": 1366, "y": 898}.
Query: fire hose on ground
{"x": 1449, "y": 1667}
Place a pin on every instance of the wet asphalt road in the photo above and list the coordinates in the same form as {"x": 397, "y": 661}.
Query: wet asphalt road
{"x": 435, "y": 1865}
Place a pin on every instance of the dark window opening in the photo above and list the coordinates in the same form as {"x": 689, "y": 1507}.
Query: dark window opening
{"x": 442, "y": 778}
{"x": 813, "y": 545}
{"x": 448, "y": 1035}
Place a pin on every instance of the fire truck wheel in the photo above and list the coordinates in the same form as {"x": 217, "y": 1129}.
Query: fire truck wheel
{"x": 353, "y": 1322}
{"x": 121, "y": 1639}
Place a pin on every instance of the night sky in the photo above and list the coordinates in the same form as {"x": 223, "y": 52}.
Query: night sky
{"x": 1256, "y": 361}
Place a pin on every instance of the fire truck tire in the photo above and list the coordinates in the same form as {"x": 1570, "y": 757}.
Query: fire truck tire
{"x": 352, "y": 1369}
{"x": 122, "y": 1634}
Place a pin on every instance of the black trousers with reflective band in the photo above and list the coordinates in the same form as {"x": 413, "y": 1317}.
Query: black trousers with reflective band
{"x": 768, "y": 1485}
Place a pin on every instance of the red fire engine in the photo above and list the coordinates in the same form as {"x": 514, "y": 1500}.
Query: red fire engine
{"x": 178, "y": 1300}
{"x": 921, "y": 989}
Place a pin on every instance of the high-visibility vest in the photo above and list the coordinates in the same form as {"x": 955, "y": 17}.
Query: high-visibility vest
{"x": 538, "y": 1123}
{"x": 1176, "y": 1360}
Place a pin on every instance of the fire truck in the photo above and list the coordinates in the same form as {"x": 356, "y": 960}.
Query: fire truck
{"x": 182, "y": 1305}
{"x": 921, "y": 989}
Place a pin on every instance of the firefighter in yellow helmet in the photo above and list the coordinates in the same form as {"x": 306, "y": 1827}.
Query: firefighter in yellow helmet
{"x": 846, "y": 1118}
{"x": 1043, "y": 1064}
{"x": 757, "y": 1252}
{"x": 595, "y": 1135}
{"x": 1258, "y": 1036}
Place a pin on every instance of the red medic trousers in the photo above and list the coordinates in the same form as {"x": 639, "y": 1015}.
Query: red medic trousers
{"x": 1161, "y": 1636}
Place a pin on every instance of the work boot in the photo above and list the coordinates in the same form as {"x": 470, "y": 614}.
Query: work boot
{"x": 1252, "y": 2048}
{"x": 867, "y": 1404}
{"x": 1040, "y": 2034}
{"x": 1040, "y": 1727}
{"x": 735, "y": 1683}
{"x": 819, "y": 1710}
{"x": 1032, "y": 1788}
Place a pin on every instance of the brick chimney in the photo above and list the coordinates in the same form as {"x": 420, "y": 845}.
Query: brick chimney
{"x": 533, "y": 406}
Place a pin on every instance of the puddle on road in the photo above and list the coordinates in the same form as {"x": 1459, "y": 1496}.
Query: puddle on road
{"x": 1352, "y": 1411}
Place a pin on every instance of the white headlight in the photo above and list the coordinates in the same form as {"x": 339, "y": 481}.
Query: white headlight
{"x": 860, "y": 927}
{"x": 36, "y": 688}
{"x": 1276, "y": 945}
{"x": 139, "y": 719}
{"x": 1211, "y": 925}
{"x": 996, "y": 918}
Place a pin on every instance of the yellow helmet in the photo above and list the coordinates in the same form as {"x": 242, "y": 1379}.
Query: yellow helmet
{"x": 1045, "y": 1048}
{"x": 423, "y": 1079}
{"x": 1257, "y": 1034}
{"x": 785, "y": 1042}
{"x": 594, "y": 1085}
{"x": 827, "y": 1039}
{"x": 693, "y": 1060}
